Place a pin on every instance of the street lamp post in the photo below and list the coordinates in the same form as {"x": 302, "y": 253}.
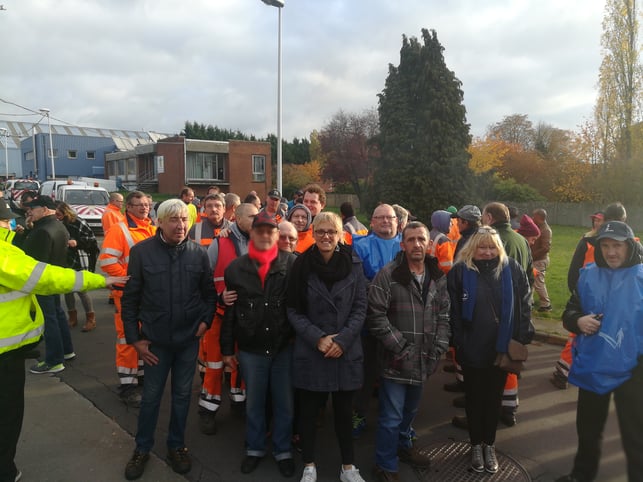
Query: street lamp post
{"x": 45, "y": 112}
{"x": 5, "y": 132}
{"x": 279, "y": 4}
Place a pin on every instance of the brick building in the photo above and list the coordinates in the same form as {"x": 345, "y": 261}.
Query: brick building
{"x": 174, "y": 162}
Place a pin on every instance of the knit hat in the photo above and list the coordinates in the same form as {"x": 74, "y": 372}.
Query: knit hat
{"x": 309, "y": 216}
{"x": 527, "y": 227}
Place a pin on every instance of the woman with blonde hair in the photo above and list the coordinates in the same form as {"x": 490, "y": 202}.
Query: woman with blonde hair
{"x": 82, "y": 252}
{"x": 490, "y": 305}
{"x": 327, "y": 308}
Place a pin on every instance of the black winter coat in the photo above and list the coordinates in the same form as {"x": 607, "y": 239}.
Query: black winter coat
{"x": 170, "y": 291}
{"x": 257, "y": 321}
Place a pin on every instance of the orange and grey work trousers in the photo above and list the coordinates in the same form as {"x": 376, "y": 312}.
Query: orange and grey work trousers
{"x": 211, "y": 368}
{"x": 128, "y": 366}
{"x": 564, "y": 363}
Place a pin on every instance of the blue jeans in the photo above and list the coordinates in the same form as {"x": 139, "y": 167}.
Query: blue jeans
{"x": 399, "y": 405}
{"x": 182, "y": 363}
{"x": 261, "y": 372}
{"x": 57, "y": 335}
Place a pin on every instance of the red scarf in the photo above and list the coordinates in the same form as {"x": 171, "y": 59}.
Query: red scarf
{"x": 263, "y": 259}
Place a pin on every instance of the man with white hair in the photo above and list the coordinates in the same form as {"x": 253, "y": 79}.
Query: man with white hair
{"x": 167, "y": 305}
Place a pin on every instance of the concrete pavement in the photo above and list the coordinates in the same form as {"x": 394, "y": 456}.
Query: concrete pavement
{"x": 76, "y": 429}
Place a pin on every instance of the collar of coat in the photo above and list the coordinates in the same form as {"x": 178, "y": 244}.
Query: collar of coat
{"x": 402, "y": 273}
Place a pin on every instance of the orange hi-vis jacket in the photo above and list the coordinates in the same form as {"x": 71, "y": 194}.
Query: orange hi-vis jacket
{"x": 111, "y": 216}
{"x": 443, "y": 249}
{"x": 114, "y": 255}
{"x": 113, "y": 260}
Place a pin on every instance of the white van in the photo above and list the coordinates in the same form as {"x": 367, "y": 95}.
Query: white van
{"x": 13, "y": 188}
{"x": 49, "y": 188}
{"x": 89, "y": 202}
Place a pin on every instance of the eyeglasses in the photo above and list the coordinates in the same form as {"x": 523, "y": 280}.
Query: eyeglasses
{"x": 299, "y": 216}
{"x": 285, "y": 237}
{"x": 320, "y": 233}
{"x": 486, "y": 230}
{"x": 384, "y": 218}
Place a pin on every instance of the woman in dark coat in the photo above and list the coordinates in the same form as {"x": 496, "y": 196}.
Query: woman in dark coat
{"x": 82, "y": 253}
{"x": 490, "y": 304}
{"x": 327, "y": 308}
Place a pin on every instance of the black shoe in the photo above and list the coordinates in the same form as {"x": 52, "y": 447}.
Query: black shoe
{"x": 286, "y": 467}
{"x": 460, "y": 402}
{"x": 414, "y": 457}
{"x": 132, "y": 396}
{"x": 207, "y": 422}
{"x": 179, "y": 460}
{"x": 543, "y": 309}
{"x": 460, "y": 422}
{"x": 570, "y": 478}
{"x": 456, "y": 386}
{"x": 249, "y": 464}
{"x": 382, "y": 475}
{"x": 136, "y": 465}
{"x": 508, "y": 418}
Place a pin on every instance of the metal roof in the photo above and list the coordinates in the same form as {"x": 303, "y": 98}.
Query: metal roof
{"x": 123, "y": 139}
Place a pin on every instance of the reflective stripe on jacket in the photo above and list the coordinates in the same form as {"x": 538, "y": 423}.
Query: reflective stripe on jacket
{"x": 21, "y": 278}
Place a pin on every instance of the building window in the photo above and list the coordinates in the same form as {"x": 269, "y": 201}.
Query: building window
{"x": 91, "y": 155}
{"x": 205, "y": 166}
{"x": 72, "y": 154}
{"x": 258, "y": 168}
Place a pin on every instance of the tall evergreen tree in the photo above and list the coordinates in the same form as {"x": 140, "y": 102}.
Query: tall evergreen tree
{"x": 423, "y": 132}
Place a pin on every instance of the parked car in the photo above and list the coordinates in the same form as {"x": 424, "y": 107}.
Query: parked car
{"x": 88, "y": 201}
{"x": 13, "y": 188}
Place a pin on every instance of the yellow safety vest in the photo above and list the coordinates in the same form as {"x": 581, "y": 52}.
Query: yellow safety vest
{"x": 21, "y": 278}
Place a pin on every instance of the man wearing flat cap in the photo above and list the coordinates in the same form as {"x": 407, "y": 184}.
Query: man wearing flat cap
{"x": 47, "y": 242}
{"x": 468, "y": 218}
{"x": 258, "y": 324}
{"x": 605, "y": 311}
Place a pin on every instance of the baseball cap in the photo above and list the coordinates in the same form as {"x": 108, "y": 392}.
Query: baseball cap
{"x": 264, "y": 219}
{"x": 5, "y": 211}
{"x": 41, "y": 201}
{"x": 615, "y": 230}
{"x": 452, "y": 209}
{"x": 275, "y": 193}
{"x": 597, "y": 215}
{"x": 468, "y": 213}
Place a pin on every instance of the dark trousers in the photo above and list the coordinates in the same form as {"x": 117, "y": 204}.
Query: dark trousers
{"x": 371, "y": 366}
{"x": 57, "y": 335}
{"x": 12, "y": 408}
{"x": 180, "y": 364}
{"x": 591, "y": 416}
{"x": 483, "y": 389}
{"x": 309, "y": 405}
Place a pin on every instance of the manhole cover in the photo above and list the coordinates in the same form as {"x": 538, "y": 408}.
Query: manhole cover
{"x": 451, "y": 462}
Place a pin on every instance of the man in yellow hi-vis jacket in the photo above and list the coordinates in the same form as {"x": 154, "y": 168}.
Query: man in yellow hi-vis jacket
{"x": 22, "y": 325}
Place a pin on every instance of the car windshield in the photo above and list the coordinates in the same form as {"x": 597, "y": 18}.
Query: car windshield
{"x": 26, "y": 185}
{"x": 89, "y": 198}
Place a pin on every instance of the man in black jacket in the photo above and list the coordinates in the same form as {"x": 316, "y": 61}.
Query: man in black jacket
{"x": 167, "y": 305}
{"x": 47, "y": 242}
{"x": 258, "y": 324}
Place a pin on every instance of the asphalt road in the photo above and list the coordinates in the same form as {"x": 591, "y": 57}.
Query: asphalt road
{"x": 543, "y": 442}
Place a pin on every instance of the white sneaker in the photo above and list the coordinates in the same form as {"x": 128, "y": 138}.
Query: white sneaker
{"x": 350, "y": 475}
{"x": 310, "y": 474}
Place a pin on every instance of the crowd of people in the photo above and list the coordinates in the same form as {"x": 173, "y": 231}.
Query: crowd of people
{"x": 290, "y": 306}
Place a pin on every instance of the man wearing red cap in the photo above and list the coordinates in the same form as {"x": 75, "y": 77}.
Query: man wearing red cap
{"x": 257, "y": 323}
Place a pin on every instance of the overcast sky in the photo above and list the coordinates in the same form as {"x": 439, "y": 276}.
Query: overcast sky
{"x": 153, "y": 64}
